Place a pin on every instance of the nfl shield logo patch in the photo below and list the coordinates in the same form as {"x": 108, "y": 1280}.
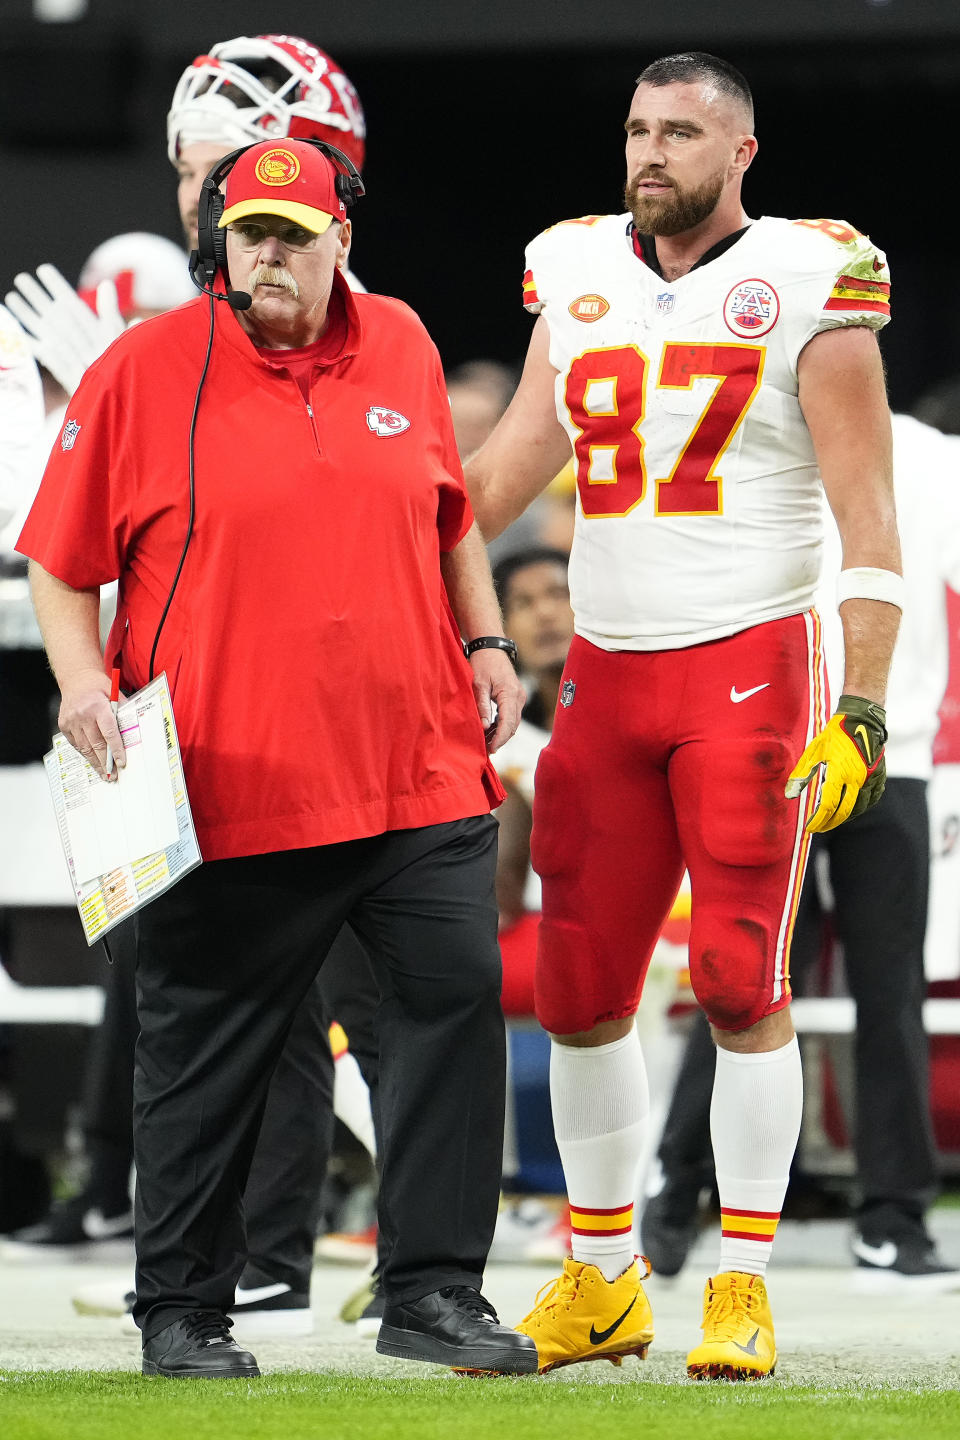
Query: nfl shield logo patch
{"x": 567, "y": 691}
{"x": 68, "y": 435}
{"x": 666, "y": 301}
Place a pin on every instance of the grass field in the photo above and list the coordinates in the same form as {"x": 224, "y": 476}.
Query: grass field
{"x": 66, "y": 1405}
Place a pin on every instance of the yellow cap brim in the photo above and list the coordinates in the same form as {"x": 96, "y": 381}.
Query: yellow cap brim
{"x": 305, "y": 215}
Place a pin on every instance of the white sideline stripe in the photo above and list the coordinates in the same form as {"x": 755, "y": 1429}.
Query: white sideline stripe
{"x": 49, "y": 1004}
{"x": 259, "y": 1292}
{"x": 837, "y": 1015}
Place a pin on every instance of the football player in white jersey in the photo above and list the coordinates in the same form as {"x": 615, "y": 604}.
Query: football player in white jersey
{"x": 710, "y": 373}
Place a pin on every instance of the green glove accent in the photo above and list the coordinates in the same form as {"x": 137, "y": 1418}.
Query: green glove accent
{"x": 849, "y": 749}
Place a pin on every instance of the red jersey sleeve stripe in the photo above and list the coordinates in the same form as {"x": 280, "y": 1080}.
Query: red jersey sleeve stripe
{"x": 878, "y": 307}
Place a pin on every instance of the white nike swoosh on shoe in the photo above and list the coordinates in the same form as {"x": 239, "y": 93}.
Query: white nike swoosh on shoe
{"x": 97, "y": 1227}
{"x": 258, "y": 1293}
{"x": 883, "y": 1255}
{"x": 737, "y": 695}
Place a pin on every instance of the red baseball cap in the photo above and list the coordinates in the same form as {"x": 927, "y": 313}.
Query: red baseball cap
{"x": 289, "y": 178}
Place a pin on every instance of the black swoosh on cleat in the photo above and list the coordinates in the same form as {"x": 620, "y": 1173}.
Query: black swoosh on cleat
{"x": 751, "y": 1346}
{"x": 597, "y": 1337}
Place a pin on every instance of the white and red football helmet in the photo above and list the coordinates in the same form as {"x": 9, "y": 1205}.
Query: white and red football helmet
{"x": 261, "y": 87}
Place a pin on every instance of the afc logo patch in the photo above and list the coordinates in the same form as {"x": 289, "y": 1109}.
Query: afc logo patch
{"x": 383, "y": 421}
{"x": 567, "y": 691}
{"x": 69, "y": 433}
{"x": 751, "y": 309}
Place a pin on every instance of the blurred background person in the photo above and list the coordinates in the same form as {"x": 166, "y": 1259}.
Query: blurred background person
{"x": 877, "y": 870}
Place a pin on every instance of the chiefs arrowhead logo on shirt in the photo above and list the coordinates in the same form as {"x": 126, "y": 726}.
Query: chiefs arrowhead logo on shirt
{"x": 588, "y": 308}
{"x": 386, "y": 422}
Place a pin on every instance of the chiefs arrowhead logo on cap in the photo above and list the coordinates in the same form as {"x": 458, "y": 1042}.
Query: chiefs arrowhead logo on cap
{"x": 588, "y": 308}
{"x": 277, "y": 167}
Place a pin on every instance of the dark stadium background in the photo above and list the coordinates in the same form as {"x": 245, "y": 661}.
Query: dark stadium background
{"x": 489, "y": 122}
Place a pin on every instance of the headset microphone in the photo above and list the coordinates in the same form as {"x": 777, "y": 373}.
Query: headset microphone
{"x": 237, "y": 299}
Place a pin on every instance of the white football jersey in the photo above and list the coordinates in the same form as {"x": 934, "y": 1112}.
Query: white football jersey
{"x": 700, "y": 498}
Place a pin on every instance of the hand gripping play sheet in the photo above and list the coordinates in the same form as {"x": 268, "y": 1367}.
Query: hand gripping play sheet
{"x": 128, "y": 840}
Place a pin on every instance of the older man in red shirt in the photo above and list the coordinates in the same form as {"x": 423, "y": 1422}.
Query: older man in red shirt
{"x": 275, "y": 484}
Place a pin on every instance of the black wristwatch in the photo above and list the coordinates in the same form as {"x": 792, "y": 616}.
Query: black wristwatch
{"x": 492, "y": 642}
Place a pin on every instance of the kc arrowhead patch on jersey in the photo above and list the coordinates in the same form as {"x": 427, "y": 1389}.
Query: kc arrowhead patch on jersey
{"x": 386, "y": 422}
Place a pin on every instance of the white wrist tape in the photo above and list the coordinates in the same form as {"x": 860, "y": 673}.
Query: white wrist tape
{"x": 864, "y": 583}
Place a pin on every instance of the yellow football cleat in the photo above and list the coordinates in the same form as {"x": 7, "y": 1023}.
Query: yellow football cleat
{"x": 582, "y": 1316}
{"x": 738, "y": 1341}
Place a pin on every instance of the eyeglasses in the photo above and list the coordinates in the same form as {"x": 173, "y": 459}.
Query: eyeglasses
{"x": 250, "y": 234}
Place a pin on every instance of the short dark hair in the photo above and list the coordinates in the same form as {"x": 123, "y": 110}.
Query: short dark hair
{"x": 698, "y": 65}
{"x": 505, "y": 569}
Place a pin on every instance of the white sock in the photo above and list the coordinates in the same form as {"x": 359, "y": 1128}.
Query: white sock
{"x": 600, "y": 1104}
{"x": 351, "y": 1097}
{"x": 755, "y": 1119}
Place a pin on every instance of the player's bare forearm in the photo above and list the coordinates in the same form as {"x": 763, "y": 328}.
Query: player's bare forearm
{"x": 843, "y": 397}
{"x": 69, "y": 622}
{"x": 526, "y": 450}
{"x": 466, "y": 575}
{"x": 869, "y": 635}
{"x": 498, "y": 692}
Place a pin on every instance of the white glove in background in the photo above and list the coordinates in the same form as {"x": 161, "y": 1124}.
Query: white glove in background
{"x": 21, "y": 420}
{"x": 63, "y": 333}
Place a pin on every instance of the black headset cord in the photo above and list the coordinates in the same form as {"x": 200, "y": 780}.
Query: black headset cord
{"x": 193, "y": 496}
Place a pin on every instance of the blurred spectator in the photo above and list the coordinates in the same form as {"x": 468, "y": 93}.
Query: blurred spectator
{"x": 878, "y": 867}
{"x": 531, "y": 586}
{"x": 556, "y": 510}
{"x": 940, "y": 407}
{"x": 479, "y": 392}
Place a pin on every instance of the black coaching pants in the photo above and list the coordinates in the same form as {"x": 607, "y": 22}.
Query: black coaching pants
{"x": 224, "y": 960}
{"x": 282, "y": 1197}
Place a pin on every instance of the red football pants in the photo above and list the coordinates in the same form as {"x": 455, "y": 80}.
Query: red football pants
{"x": 661, "y": 760}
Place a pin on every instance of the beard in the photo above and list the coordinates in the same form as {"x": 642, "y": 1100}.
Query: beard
{"x": 273, "y": 275}
{"x": 674, "y": 213}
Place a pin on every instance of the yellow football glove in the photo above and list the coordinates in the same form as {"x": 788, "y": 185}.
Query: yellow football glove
{"x": 850, "y": 749}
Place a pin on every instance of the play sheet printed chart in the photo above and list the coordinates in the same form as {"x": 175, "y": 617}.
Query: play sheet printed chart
{"x": 127, "y": 841}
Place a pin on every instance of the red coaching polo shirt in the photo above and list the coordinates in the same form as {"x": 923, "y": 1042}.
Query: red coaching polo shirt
{"x": 319, "y": 684}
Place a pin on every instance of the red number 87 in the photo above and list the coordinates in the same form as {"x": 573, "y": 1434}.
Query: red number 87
{"x": 606, "y": 392}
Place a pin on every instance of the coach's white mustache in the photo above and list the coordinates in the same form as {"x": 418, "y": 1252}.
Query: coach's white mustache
{"x": 273, "y": 275}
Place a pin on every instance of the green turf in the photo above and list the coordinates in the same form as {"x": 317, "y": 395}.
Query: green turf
{"x": 71, "y": 1405}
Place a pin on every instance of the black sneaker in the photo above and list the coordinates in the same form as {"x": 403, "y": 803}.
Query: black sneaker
{"x": 455, "y": 1326}
{"x": 73, "y": 1230}
{"x": 669, "y": 1227}
{"x": 902, "y": 1262}
{"x": 198, "y": 1346}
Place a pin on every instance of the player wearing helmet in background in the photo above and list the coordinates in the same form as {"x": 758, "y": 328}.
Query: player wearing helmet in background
{"x": 252, "y": 89}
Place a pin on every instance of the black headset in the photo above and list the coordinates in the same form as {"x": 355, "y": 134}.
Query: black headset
{"x": 210, "y": 255}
